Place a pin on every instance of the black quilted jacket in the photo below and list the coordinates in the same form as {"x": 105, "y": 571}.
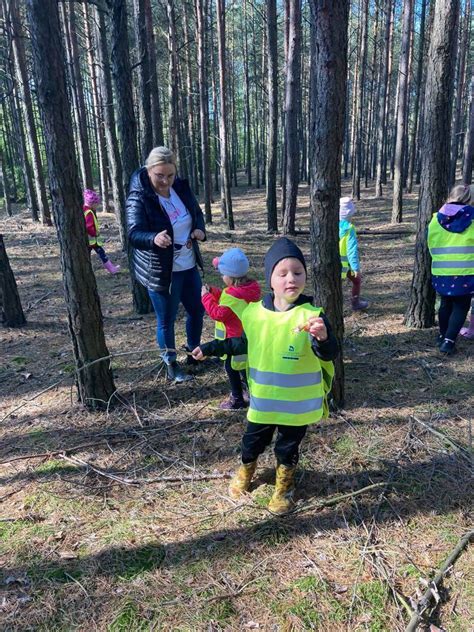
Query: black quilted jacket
{"x": 146, "y": 218}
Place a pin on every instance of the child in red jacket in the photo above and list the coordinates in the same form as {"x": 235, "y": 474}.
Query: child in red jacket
{"x": 91, "y": 202}
{"x": 233, "y": 265}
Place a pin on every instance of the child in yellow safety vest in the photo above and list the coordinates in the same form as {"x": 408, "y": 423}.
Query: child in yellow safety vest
{"x": 91, "y": 202}
{"x": 451, "y": 245}
{"x": 233, "y": 266}
{"x": 349, "y": 251}
{"x": 290, "y": 349}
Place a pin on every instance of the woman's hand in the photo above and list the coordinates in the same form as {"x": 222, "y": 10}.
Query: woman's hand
{"x": 162, "y": 240}
{"x": 198, "y": 234}
{"x": 317, "y": 328}
{"x": 197, "y": 354}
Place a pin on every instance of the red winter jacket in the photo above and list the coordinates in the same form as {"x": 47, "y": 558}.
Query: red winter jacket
{"x": 90, "y": 224}
{"x": 249, "y": 292}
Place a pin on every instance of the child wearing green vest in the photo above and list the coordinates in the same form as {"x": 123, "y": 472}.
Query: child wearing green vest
{"x": 290, "y": 348}
{"x": 91, "y": 202}
{"x": 349, "y": 251}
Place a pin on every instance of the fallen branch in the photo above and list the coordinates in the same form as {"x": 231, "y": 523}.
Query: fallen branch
{"x": 337, "y": 499}
{"x": 432, "y": 590}
{"x": 465, "y": 452}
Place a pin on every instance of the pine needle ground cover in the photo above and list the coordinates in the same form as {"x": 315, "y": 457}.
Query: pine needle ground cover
{"x": 121, "y": 520}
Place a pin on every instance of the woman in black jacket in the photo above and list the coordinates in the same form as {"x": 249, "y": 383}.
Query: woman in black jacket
{"x": 165, "y": 223}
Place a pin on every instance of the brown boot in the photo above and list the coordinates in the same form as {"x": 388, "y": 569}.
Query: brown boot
{"x": 241, "y": 480}
{"x": 282, "y": 499}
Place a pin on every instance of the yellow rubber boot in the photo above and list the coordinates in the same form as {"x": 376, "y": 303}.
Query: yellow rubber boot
{"x": 241, "y": 480}
{"x": 282, "y": 500}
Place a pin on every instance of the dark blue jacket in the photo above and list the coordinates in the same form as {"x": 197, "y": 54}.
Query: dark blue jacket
{"x": 145, "y": 218}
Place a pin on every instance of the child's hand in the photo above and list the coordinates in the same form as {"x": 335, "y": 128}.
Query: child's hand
{"x": 205, "y": 289}
{"x": 317, "y": 328}
{"x": 197, "y": 354}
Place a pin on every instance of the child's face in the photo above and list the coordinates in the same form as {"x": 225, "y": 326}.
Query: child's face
{"x": 288, "y": 279}
{"x": 227, "y": 280}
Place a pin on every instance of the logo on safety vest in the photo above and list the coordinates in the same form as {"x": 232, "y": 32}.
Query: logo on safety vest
{"x": 291, "y": 348}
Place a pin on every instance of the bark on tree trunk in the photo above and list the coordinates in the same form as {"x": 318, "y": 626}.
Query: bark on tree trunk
{"x": 360, "y": 94}
{"x": 156, "y": 114}
{"x": 173, "y": 118}
{"x": 469, "y": 152}
{"x": 435, "y": 158}
{"x": 292, "y": 99}
{"x": 11, "y": 311}
{"x": 397, "y": 207}
{"x": 6, "y": 186}
{"x": 95, "y": 383}
{"x": 144, "y": 91}
{"x": 272, "y": 91}
{"x": 329, "y": 21}
{"x": 226, "y": 199}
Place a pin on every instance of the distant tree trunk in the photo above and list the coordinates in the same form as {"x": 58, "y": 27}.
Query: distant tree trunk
{"x": 460, "y": 84}
{"x": 360, "y": 95}
{"x": 6, "y": 186}
{"x": 435, "y": 158}
{"x": 292, "y": 99}
{"x": 30, "y": 190}
{"x": 144, "y": 88}
{"x": 329, "y": 20}
{"x": 77, "y": 90}
{"x": 11, "y": 311}
{"x": 98, "y": 110}
{"x": 190, "y": 91}
{"x": 248, "y": 125}
{"x": 469, "y": 151}
{"x": 204, "y": 106}
{"x": 397, "y": 214}
{"x": 25, "y": 92}
{"x": 114, "y": 160}
{"x": 127, "y": 126}
{"x": 156, "y": 114}
{"x": 384, "y": 76}
{"x": 272, "y": 91}
{"x": 226, "y": 199}
{"x": 173, "y": 118}
{"x": 95, "y": 383}
{"x": 416, "y": 107}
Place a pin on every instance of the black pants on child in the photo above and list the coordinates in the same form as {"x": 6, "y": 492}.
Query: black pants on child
{"x": 452, "y": 314}
{"x": 101, "y": 252}
{"x": 258, "y": 436}
{"x": 236, "y": 379}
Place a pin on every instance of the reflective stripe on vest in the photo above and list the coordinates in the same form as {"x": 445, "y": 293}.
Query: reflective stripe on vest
{"x": 287, "y": 382}
{"x": 452, "y": 253}
{"x": 219, "y": 331}
{"x": 239, "y": 362}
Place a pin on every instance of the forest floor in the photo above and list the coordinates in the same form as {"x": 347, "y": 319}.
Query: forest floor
{"x": 121, "y": 520}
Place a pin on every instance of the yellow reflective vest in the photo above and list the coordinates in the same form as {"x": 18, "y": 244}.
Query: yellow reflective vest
{"x": 288, "y": 383}
{"x": 237, "y": 305}
{"x": 97, "y": 239}
{"x": 452, "y": 254}
{"x": 343, "y": 244}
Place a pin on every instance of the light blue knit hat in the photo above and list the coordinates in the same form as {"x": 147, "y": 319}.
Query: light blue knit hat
{"x": 232, "y": 263}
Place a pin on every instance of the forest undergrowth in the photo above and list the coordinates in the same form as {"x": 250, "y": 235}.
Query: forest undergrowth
{"x": 120, "y": 520}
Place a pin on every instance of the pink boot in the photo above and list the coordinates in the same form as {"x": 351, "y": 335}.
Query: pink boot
{"x": 359, "y": 303}
{"x": 109, "y": 266}
{"x": 468, "y": 332}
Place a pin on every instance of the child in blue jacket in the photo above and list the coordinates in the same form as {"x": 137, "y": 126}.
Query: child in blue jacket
{"x": 349, "y": 251}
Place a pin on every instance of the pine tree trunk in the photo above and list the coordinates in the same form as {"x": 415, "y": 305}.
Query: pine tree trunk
{"x": 30, "y": 190}
{"x": 292, "y": 100}
{"x": 190, "y": 91}
{"x": 360, "y": 88}
{"x": 126, "y": 123}
{"x": 435, "y": 158}
{"x": 329, "y": 20}
{"x": 226, "y": 199}
{"x": 5, "y": 186}
{"x": 173, "y": 118}
{"x": 397, "y": 207}
{"x": 469, "y": 145}
{"x": 113, "y": 154}
{"x": 272, "y": 91}
{"x": 156, "y": 114}
{"x": 204, "y": 107}
{"x": 25, "y": 92}
{"x": 416, "y": 107}
{"x": 77, "y": 89}
{"x": 95, "y": 383}
{"x": 144, "y": 91}
{"x": 11, "y": 311}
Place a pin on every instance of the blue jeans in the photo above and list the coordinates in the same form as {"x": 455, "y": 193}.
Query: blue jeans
{"x": 186, "y": 289}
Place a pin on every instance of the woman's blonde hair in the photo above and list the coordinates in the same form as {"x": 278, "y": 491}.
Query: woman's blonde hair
{"x": 160, "y": 156}
{"x": 460, "y": 194}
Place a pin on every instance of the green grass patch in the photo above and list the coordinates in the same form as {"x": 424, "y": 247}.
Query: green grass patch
{"x": 373, "y": 596}
{"x": 129, "y": 619}
{"x": 55, "y": 466}
{"x": 345, "y": 446}
{"x": 129, "y": 564}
